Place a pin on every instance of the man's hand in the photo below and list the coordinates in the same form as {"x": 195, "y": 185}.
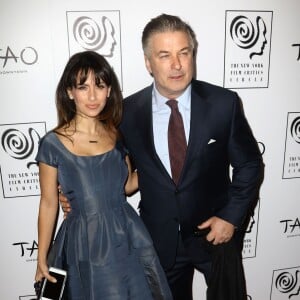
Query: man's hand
{"x": 64, "y": 203}
{"x": 221, "y": 231}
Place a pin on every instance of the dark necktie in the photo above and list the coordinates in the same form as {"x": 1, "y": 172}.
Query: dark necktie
{"x": 176, "y": 140}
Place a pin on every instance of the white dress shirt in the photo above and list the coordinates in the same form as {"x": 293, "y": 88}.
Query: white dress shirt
{"x": 161, "y": 115}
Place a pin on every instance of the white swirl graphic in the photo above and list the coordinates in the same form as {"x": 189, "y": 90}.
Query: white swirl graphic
{"x": 295, "y": 130}
{"x": 88, "y": 34}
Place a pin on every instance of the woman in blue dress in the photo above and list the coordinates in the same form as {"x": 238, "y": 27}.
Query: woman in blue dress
{"x": 102, "y": 244}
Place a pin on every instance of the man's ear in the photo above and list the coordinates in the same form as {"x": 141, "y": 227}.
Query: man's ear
{"x": 148, "y": 64}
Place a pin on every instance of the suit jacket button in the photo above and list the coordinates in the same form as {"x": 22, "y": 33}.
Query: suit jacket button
{"x": 176, "y": 192}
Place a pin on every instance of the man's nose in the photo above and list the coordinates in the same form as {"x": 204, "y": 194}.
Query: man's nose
{"x": 176, "y": 63}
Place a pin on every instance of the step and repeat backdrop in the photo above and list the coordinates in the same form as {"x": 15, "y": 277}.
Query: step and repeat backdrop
{"x": 252, "y": 47}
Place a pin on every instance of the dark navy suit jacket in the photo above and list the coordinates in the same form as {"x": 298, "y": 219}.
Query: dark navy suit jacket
{"x": 219, "y": 137}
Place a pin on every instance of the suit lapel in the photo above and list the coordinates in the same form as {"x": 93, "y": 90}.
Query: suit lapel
{"x": 144, "y": 118}
{"x": 145, "y": 123}
{"x": 198, "y": 127}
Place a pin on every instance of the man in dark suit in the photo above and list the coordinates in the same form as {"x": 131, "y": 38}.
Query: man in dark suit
{"x": 202, "y": 207}
{"x": 218, "y": 136}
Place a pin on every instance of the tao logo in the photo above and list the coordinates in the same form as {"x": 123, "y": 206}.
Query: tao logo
{"x": 28, "y": 56}
{"x": 291, "y": 225}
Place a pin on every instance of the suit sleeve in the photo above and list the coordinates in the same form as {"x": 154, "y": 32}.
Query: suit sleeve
{"x": 247, "y": 168}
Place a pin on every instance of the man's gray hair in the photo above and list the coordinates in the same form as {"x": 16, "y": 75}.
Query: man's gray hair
{"x": 165, "y": 23}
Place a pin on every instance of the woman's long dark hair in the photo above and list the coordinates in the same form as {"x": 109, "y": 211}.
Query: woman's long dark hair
{"x": 79, "y": 66}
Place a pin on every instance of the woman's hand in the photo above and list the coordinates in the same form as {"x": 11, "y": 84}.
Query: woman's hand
{"x": 42, "y": 271}
{"x": 132, "y": 184}
{"x": 64, "y": 203}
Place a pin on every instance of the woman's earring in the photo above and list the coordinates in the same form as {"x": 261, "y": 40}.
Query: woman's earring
{"x": 70, "y": 95}
{"x": 108, "y": 93}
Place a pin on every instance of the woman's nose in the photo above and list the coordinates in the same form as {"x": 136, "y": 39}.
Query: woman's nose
{"x": 92, "y": 94}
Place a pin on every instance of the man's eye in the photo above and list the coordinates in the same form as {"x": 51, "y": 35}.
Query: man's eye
{"x": 185, "y": 53}
{"x": 81, "y": 87}
{"x": 164, "y": 55}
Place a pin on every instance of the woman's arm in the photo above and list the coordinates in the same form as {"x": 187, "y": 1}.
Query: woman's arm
{"x": 131, "y": 185}
{"x": 47, "y": 217}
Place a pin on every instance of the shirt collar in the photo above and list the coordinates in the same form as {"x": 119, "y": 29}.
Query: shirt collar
{"x": 159, "y": 101}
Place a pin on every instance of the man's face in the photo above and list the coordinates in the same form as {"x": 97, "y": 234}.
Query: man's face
{"x": 170, "y": 60}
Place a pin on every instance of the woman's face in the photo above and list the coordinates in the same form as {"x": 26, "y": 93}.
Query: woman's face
{"x": 89, "y": 98}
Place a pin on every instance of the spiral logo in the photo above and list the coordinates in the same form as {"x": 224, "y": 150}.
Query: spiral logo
{"x": 243, "y": 32}
{"x": 16, "y": 144}
{"x": 295, "y": 130}
{"x": 88, "y": 34}
{"x": 286, "y": 282}
{"x": 246, "y": 35}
